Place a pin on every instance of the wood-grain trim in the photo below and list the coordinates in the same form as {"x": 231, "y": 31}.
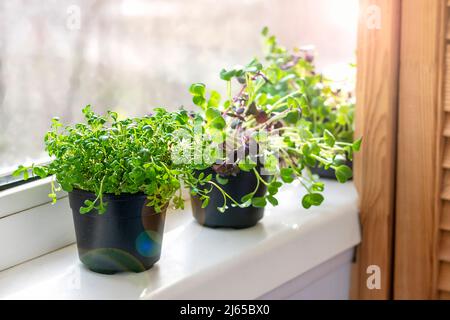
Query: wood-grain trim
{"x": 376, "y": 118}
{"x": 419, "y": 150}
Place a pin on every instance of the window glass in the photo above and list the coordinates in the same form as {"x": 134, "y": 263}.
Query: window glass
{"x": 57, "y": 56}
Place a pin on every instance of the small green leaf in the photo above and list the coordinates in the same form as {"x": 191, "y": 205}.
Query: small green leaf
{"x": 312, "y": 199}
{"x": 292, "y": 117}
{"x": 205, "y": 202}
{"x": 286, "y": 175}
{"x": 329, "y": 138}
{"x": 303, "y": 101}
{"x": 253, "y": 66}
{"x": 247, "y": 164}
{"x": 84, "y": 210}
{"x": 277, "y": 184}
{"x": 199, "y": 101}
{"x": 227, "y": 75}
{"x": 259, "y": 202}
{"x": 218, "y": 123}
{"x": 26, "y": 175}
{"x": 272, "y": 200}
{"x": 247, "y": 197}
{"x": 357, "y": 145}
{"x": 214, "y": 99}
{"x": 197, "y": 89}
{"x": 20, "y": 169}
{"x": 212, "y": 113}
{"x": 343, "y": 173}
{"x": 272, "y": 189}
{"x": 310, "y": 161}
{"x": 221, "y": 180}
{"x": 113, "y": 115}
{"x": 40, "y": 172}
{"x": 306, "y": 150}
{"x": 306, "y": 134}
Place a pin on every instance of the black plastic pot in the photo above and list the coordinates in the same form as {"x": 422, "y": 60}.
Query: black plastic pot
{"x": 234, "y": 217}
{"x": 328, "y": 173}
{"x": 127, "y": 237}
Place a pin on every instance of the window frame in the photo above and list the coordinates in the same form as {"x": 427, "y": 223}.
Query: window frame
{"x": 27, "y": 195}
{"x": 7, "y": 180}
{"x": 30, "y": 225}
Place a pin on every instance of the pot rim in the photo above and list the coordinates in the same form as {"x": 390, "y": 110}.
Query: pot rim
{"x": 110, "y": 196}
{"x": 79, "y": 196}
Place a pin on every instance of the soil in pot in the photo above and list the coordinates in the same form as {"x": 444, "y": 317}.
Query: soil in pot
{"x": 329, "y": 173}
{"x": 234, "y": 217}
{"x": 126, "y": 238}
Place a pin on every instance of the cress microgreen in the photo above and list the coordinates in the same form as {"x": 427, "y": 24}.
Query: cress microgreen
{"x": 107, "y": 155}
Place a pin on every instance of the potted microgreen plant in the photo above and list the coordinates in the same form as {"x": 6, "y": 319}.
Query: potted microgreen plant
{"x": 330, "y": 106}
{"x": 120, "y": 177}
{"x": 284, "y": 148}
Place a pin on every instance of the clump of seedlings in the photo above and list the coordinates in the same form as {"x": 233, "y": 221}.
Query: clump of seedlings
{"x": 106, "y": 155}
{"x": 260, "y": 130}
{"x": 330, "y": 105}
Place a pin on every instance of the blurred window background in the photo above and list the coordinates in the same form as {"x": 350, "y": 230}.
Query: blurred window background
{"x": 56, "y": 56}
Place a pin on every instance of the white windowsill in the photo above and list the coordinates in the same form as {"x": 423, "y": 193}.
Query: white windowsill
{"x": 26, "y": 196}
{"x": 199, "y": 262}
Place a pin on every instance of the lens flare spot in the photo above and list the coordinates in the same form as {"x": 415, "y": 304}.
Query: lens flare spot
{"x": 148, "y": 243}
{"x": 111, "y": 260}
